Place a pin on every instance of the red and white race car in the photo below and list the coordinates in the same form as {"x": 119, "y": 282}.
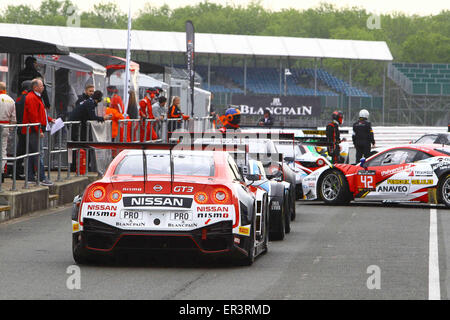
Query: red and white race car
{"x": 164, "y": 198}
{"x": 410, "y": 173}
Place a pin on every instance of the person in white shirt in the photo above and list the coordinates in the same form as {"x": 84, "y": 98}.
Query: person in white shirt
{"x": 7, "y": 116}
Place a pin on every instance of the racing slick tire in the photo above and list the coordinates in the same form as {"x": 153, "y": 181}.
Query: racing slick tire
{"x": 288, "y": 204}
{"x": 79, "y": 253}
{"x": 333, "y": 188}
{"x": 292, "y": 206}
{"x": 444, "y": 190}
{"x": 280, "y": 233}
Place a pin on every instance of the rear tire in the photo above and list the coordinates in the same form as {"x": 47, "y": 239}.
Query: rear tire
{"x": 288, "y": 217}
{"x": 79, "y": 253}
{"x": 444, "y": 190}
{"x": 333, "y": 188}
{"x": 280, "y": 233}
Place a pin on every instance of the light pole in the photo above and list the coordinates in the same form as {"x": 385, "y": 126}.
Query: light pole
{"x": 287, "y": 72}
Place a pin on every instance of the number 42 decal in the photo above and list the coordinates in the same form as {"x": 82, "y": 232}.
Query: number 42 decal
{"x": 366, "y": 180}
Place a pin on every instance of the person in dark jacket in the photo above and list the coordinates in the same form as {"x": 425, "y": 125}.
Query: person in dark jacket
{"x": 333, "y": 135}
{"x": 363, "y": 135}
{"x": 88, "y": 92}
{"x": 266, "y": 120}
{"x": 29, "y": 73}
{"x": 84, "y": 112}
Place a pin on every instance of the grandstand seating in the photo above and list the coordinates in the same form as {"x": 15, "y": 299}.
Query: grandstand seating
{"x": 266, "y": 80}
{"x": 426, "y": 78}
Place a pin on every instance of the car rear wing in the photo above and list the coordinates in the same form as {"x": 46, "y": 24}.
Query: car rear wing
{"x": 155, "y": 146}
{"x": 190, "y": 137}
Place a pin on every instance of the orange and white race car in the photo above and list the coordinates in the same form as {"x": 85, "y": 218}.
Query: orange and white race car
{"x": 165, "y": 198}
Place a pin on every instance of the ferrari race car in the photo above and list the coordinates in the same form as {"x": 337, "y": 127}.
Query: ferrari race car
{"x": 278, "y": 193}
{"x": 410, "y": 173}
{"x": 161, "y": 198}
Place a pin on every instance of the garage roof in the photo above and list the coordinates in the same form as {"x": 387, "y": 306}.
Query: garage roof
{"x": 163, "y": 41}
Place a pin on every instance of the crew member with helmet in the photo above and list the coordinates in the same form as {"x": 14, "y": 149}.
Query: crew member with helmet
{"x": 145, "y": 112}
{"x": 333, "y": 135}
{"x": 230, "y": 120}
{"x": 363, "y": 136}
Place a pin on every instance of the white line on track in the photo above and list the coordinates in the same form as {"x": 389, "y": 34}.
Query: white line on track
{"x": 434, "y": 289}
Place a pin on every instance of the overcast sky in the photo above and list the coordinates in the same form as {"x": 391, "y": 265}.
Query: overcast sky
{"x": 420, "y": 7}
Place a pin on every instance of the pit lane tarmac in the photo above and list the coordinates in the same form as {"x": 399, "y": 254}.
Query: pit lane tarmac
{"x": 359, "y": 251}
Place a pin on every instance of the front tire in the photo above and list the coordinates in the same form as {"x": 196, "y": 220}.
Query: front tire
{"x": 333, "y": 188}
{"x": 444, "y": 190}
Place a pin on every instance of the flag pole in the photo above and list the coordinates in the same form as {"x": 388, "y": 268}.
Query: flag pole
{"x": 127, "y": 86}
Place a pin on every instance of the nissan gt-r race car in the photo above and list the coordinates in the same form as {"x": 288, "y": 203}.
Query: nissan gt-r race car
{"x": 162, "y": 198}
{"x": 410, "y": 173}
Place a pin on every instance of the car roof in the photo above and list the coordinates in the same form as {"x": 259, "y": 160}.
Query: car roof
{"x": 432, "y": 149}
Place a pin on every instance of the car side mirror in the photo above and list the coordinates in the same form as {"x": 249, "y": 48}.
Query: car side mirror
{"x": 289, "y": 159}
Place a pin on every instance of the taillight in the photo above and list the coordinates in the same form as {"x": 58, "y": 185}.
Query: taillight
{"x": 220, "y": 196}
{"x": 201, "y": 197}
{"x": 97, "y": 194}
{"x": 115, "y": 196}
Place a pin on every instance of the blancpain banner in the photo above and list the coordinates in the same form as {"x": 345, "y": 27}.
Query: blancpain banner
{"x": 284, "y": 106}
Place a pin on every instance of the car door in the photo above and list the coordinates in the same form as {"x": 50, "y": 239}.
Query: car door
{"x": 388, "y": 176}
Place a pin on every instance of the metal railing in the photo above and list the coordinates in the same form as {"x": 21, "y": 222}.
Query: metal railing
{"x": 56, "y": 156}
{"x": 23, "y": 157}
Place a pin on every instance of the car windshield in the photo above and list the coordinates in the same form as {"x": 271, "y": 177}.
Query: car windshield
{"x": 159, "y": 164}
{"x": 427, "y": 139}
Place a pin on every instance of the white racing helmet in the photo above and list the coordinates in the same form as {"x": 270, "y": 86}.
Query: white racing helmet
{"x": 364, "y": 114}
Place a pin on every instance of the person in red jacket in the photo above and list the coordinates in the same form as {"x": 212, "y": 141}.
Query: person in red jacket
{"x": 145, "y": 112}
{"x": 34, "y": 112}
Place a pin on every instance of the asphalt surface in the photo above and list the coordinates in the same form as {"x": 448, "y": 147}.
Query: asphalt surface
{"x": 331, "y": 253}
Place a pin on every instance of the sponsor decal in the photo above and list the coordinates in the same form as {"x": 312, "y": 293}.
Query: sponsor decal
{"x": 101, "y": 214}
{"x": 132, "y": 190}
{"x": 423, "y": 173}
{"x": 149, "y": 201}
{"x": 182, "y": 225}
{"x": 130, "y": 224}
{"x": 423, "y": 181}
{"x": 244, "y": 231}
{"x": 367, "y": 173}
{"x": 157, "y": 188}
{"x": 183, "y": 189}
{"x": 104, "y": 207}
{"x": 393, "y": 189}
{"x": 212, "y": 212}
{"x": 398, "y": 181}
{"x": 75, "y": 227}
{"x": 395, "y": 170}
